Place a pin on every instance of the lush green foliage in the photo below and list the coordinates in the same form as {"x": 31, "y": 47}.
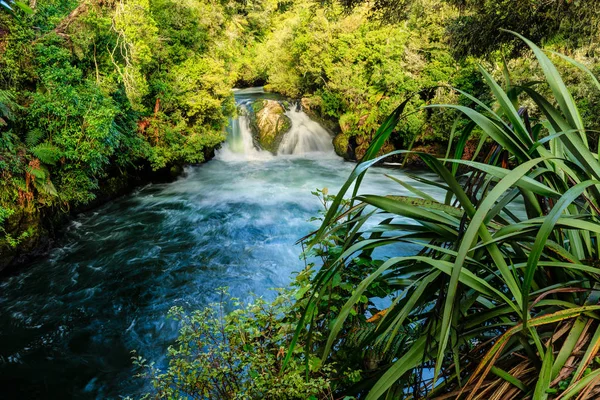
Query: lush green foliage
{"x": 355, "y": 70}
{"x": 94, "y": 89}
{"x": 502, "y": 299}
{"x": 240, "y": 354}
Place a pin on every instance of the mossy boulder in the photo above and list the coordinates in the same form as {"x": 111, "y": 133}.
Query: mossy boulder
{"x": 341, "y": 145}
{"x": 270, "y": 124}
{"x": 21, "y": 235}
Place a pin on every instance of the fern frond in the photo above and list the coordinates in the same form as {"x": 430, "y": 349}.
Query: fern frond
{"x": 45, "y": 187}
{"x": 47, "y": 153}
{"x": 34, "y": 137}
{"x": 7, "y": 104}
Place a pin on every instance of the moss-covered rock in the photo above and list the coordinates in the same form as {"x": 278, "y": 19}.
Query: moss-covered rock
{"x": 341, "y": 144}
{"x": 270, "y": 124}
{"x": 21, "y": 233}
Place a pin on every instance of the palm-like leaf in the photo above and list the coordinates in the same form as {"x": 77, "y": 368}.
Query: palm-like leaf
{"x": 502, "y": 298}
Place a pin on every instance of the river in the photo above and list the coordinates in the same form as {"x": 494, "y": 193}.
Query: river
{"x": 69, "y": 322}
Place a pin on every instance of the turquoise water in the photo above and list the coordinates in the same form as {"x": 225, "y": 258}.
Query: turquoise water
{"x": 69, "y": 322}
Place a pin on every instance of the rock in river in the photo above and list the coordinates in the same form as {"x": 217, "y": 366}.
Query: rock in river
{"x": 270, "y": 124}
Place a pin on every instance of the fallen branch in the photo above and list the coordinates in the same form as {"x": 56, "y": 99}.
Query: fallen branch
{"x": 62, "y": 27}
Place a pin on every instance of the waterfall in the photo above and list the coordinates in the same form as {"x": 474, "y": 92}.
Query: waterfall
{"x": 240, "y": 143}
{"x": 305, "y": 136}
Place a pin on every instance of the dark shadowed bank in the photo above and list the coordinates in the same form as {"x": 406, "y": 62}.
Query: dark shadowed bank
{"x": 45, "y": 225}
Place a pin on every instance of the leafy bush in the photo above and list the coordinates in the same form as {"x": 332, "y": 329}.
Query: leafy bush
{"x": 239, "y": 355}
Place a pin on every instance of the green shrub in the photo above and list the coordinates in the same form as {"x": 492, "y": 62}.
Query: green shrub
{"x": 238, "y": 355}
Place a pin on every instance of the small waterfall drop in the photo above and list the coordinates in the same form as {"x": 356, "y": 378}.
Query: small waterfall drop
{"x": 240, "y": 144}
{"x": 305, "y": 136}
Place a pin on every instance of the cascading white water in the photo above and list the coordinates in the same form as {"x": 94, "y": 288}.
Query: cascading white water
{"x": 240, "y": 144}
{"x": 241, "y": 138}
{"x": 305, "y": 136}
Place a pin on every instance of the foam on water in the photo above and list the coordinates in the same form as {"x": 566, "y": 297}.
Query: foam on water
{"x": 240, "y": 145}
{"x": 305, "y": 136}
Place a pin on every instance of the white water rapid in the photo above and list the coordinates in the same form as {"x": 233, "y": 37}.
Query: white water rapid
{"x": 240, "y": 144}
{"x": 305, "y": 136}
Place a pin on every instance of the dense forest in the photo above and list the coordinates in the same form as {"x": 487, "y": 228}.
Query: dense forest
{"x": 500, "y": 99}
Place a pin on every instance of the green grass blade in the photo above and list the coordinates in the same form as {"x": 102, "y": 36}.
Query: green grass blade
{"x": 509, "y": 378}
{"x": 413, "y": 357}
{"x": 411, "y": 188}
{"x": 508, "y": 109}
{"x": 545, "y": 376}
{"x": 567, "y": 347}
{"x": 543, "y": 235}
{"x": 558, "y": 87}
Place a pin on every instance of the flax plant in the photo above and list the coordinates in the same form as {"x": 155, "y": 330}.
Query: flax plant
{"x": 502, "y": 302}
